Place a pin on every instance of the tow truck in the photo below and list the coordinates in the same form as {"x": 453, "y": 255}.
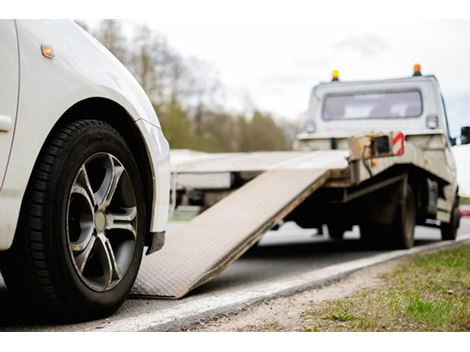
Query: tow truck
{"x": 376, "y": 154}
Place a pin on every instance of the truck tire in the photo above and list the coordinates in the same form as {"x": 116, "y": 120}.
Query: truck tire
{"x": 401, "y": 231}
{"x": 335, "y": 231}
{"x": 399, "y": 234}
{"x": 80, "y": 237}
{"x": 449, "y": 230}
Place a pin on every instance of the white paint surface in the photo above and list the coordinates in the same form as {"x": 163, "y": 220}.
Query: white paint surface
{"x": 462, "y": 158}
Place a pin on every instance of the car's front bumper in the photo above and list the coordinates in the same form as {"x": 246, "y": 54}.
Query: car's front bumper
{"x": 158, "y": 152}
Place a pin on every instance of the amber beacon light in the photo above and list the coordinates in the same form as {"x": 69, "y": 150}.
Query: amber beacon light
{"x": 416, "y": 70}
{"x": 335, "y": 75}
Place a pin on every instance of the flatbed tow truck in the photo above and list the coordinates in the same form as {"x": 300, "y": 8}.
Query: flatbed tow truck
{"x": 376, "y": 154}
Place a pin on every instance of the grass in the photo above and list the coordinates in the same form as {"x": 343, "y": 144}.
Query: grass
{"x": 429, "y": 293}
{"x": 464, "y": 200}
{"x": 339, "y": 317}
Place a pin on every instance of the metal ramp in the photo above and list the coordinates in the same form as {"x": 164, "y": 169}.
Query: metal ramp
{"x": 220, "y": 235}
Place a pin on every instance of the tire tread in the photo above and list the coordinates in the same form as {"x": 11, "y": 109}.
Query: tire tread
{"x": 25, "y": 266}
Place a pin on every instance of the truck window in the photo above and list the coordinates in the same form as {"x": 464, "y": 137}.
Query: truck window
{"x": 374, "y": 105}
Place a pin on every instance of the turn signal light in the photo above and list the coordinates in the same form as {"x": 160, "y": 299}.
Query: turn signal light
{"x": 47, "y": 51}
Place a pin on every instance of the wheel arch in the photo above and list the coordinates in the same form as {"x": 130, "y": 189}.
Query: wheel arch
{"x": 118, "y": 117}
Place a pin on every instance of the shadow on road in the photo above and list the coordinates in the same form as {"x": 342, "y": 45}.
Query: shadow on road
{"x": 14, "y": 316}
{"x": 323, "y": 247}
{"x": 12, "y": 312}
{"x": 268, "y": 262}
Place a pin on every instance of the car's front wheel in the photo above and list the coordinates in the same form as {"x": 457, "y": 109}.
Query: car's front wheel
{"x": 80, "y": 238}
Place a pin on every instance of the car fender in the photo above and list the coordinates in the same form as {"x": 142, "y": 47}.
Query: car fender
{"x": 80, "y": 69}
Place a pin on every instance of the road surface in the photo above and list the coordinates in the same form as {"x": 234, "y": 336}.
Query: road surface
{"x": 286, "y": 253}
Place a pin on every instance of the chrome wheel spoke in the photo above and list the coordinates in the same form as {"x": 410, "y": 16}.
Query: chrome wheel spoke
{"x": 123, "y": 221}
{"x": 108, "y": 260}
{"x": 82, "y": 258}
{"x": 78, "y": 189}
{"x": 84, "y": 182}
{"x": 110, "y": 182}
{"x": 84, "y": 239}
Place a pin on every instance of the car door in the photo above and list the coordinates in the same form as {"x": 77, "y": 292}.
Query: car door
{"x": 9, "y": 73}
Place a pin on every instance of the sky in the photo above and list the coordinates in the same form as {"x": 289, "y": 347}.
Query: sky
{"x": 273, "y": 64}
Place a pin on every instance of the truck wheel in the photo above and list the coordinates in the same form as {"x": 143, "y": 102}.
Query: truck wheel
{"x": 335, "y": 231}
{"x": 399, "y": 234}
{"x": 402, "y": 230}
{"x": 449, "y": 230}
{"x": 80, "y": 237}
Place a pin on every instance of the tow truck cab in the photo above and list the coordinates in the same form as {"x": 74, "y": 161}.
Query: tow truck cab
{"x": 414, "y": 105}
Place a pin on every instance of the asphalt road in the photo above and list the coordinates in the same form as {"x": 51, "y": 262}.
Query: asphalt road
{"x": 285, "y": 253}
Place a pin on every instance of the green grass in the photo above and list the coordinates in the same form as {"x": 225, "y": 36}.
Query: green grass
{"x": 428, "y": 312}
{"x": 429, "y": 293}
{"x": 341, "y": 317}
{"x": 464, "y": 200}
{"x": 181, "y": 219}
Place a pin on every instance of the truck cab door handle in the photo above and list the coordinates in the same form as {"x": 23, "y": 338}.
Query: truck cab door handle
{"x": 6, "y": 123}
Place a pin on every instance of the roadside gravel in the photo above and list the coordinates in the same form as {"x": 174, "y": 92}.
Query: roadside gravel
{"x": 286, "y": 313}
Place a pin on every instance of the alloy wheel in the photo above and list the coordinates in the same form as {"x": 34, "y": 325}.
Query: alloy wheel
{"x": 101, "y": 222}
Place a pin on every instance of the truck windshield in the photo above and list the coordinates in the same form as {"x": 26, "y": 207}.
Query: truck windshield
{"x": 376, "y": 105}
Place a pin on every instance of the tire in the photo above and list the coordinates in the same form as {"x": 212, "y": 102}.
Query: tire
{"x": 401, "y": 232}
{"x": 61, "y": 262}
{"x": 335, "y": 232}
{"x": 449, "y": 230}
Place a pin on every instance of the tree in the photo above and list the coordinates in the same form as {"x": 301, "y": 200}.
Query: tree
{"x": 176, "y": 126}
{"x": 109, "y": 33}
{"x": 186, "y": 92}
{"x": 223, "y": 129}
{"x": 264, "y": 134}
{"x": 198, "y": 84}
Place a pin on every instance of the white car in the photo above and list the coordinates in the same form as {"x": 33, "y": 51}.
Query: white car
{"x": 84, "y": 171}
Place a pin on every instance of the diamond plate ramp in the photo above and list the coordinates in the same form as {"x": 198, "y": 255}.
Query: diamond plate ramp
{"x": 220, "y": 235}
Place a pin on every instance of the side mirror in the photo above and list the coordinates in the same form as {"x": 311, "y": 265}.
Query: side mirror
{"x": 453, "y": 141}
{"x": 465, "y": 135}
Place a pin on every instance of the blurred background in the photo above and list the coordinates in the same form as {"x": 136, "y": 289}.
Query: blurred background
{"x": 245, "y": 86}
